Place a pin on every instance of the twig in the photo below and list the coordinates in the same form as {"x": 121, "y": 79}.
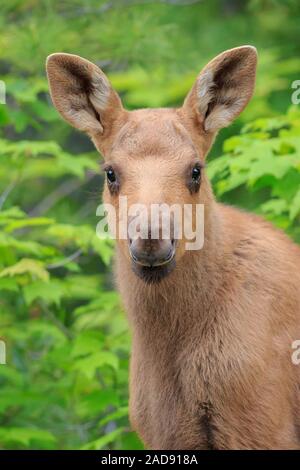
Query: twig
{"x": 56, "y": 321}
{"x": 181, "y": 3}
{"x": 66, "y": 260}
{"x": 6, "y": 193}
{"x": 126, "y": 3}
{"x": 66, "y": 188}
{"x": 85, "y": 210}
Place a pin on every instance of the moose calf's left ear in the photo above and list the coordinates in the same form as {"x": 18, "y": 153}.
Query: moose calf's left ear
{"x": 82, "y": 93}
{"x": 223, "y": 88}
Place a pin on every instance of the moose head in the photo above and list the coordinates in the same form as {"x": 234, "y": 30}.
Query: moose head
{"x": 154, "y": 156}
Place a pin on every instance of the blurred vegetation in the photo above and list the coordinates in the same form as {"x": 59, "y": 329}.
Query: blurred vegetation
{"x": 65, "y": 382}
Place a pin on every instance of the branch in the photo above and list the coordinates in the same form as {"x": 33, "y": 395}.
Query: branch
{"x": 126, "y": 3}
{"x": 6, "y": 193}
{"x": 66, "y": 188}
{"x": 66, "y": 260}
{"x": 56, "y": 321}
{"x": 181, "y": 3}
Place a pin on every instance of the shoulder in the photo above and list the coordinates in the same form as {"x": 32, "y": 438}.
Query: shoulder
{"x": 257, "y": 246}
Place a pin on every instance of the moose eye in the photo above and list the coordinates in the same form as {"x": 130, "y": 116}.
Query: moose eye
{"x": 194, "y": 178}
{"x": 111, "y": 176}
{"x": 112, "y": 180}
{"x": 196, "y": 173}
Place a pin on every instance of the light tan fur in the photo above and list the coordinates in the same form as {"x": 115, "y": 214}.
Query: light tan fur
{"x": 211, "y": 360}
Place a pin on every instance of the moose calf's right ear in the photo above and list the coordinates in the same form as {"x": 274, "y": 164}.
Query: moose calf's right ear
{"x": 82, "y": 93}
{"x": 223, "y": 88}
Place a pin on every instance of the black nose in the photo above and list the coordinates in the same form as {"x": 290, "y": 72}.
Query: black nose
{"x": 148, "y": 252}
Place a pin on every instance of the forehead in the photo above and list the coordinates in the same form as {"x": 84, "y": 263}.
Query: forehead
{"x": 157, "y": 133}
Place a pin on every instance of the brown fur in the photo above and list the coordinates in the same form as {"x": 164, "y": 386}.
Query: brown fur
{"x": 211, "y": 351}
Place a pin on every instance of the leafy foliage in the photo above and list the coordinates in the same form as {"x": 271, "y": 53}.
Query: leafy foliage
{"x": 67, "y": 338}
{"x": 264, "y": 162}
{"x": 66, "y": 378}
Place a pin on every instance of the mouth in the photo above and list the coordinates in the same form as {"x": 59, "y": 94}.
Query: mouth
{"x": 153, "y": 274}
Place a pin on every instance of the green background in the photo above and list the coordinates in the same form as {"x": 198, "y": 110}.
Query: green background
{"x": 65, "y": 384}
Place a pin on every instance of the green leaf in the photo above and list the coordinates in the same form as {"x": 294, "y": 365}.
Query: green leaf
{"x": 274, "y": 206}
{"x": 77, "y": 165}
{"x": 37, "y": 221}
{"x": 50, "y": 292}
{"x": 25, "y": 436}
{"x": 26, "y": 247}
{"x": 9, "y": 285}
{"x": 89, "y": 365}
{"x": 295, "y": 206}
{"x": 108, "y": 301}
{"x": 26, "y": 265}
{"x": 115, "y": 416}
{"x": 102, "y": 442}
{"x": 12, "y": 213}
{"x": 105, "y": 248}
{"x": 87, "y": 342}
{"x": 97, "y": 402}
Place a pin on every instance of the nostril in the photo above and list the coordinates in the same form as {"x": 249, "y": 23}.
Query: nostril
{"x": 152, "y": 254}
{"x": 141, "y": 257}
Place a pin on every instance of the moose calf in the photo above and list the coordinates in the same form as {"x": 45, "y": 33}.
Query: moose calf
{"x": 212, "y": 328}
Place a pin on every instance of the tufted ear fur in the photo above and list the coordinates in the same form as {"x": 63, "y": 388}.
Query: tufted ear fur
{"x": 223, "y": 88}
{"x": 82, "y": 93}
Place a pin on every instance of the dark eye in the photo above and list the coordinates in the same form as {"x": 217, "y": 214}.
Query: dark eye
{"x": 112, "y": 180}
{"x": 194, "y": 177}
{"x": 196, "y": 173}
{"x": 111, "y": 176}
